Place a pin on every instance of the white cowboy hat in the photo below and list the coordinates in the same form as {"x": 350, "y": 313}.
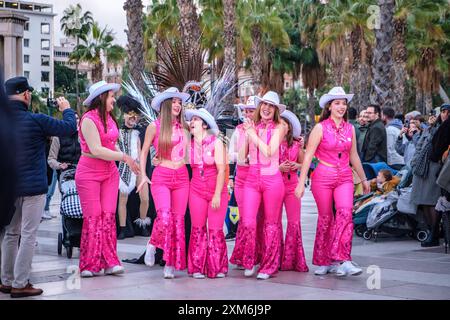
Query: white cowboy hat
{"x": 335, "y": 94}
{"x": 168, "y": 94}
{"x": 205, "y": 115}
{"x": 295, "y": 123}
{"x": 271, "y": 98}
{"x": 249, "y": 105}
{"x": 98, "y": 88}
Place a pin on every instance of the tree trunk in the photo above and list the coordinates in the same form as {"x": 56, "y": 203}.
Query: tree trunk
{"x": 419, "y": 99}
{"x": 77, "y": 85}
{"x": 427, "y": 102}
{"x": 189, "y": 24}
{"x": 256, "y": 58}
{"x": 382, "y": 84}
{"x": 229, "y": 13}
{"x": 311, "y": 105}
{"x": 97, "y": 72}
{"x": 135, "y": 41}
{"x": 400, "y": 73}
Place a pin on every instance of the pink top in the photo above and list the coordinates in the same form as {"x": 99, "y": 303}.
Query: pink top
{"x": 257, "y": 159}
{"x": 336, "y": 143}
{"x": 107, "y": 139}
{"x": 178, "y": 140}
{"x": 289, "y": 153}
{"x": 202, "y": 158}
{"x": 239, "y": 144}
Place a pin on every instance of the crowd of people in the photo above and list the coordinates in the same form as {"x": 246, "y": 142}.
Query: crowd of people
{"x": 189, "y": 177}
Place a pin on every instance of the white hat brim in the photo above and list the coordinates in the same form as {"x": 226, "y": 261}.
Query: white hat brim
{"x": 245, "y": 106}
{"x": 295, "y": 123}
{"x": 161, "y": 97}
{"x": 330, "y": 97}
{"x": 107, "y": 87}
{"x": 280, "y": 106}
{"x": 189, "y": 114}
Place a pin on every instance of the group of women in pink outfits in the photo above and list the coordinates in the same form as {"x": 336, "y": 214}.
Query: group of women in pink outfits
{"x": 269, "y": 153}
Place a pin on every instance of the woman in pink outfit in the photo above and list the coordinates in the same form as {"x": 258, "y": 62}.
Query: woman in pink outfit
{"x": 291, "y": 159}
{"x": 264, "y": 185}
{"x": 333, "y": 142}
{"x": 208, "y": 198}
{"x": 170, "y": 180}
{"x": 97, "y": 181}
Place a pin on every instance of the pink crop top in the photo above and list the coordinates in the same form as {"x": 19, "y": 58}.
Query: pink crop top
{"x": 256, "y": 156}
{"x": 336, "y": 143}
{"x": 178, "y": 140}
{"x": 203, "y": 158}
{"x": 107, "y": 139}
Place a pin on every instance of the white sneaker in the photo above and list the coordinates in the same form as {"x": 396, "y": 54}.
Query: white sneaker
{"x": 86, "y": 274}
{"x": 323, "y": 270}
{"x": 221, "y": 275}
{"x": 263, "y": 276}
{"x": 250, "y": 272}
{"x": 46, "y": 215}
{"x": 100, "y": 273}
{"x": 348, "y": 268}
{"x": 149, "y": 258}
{"x": 168, "y": 273}
{"x": 115, "y": 270}
{"x": 198, "y": 276}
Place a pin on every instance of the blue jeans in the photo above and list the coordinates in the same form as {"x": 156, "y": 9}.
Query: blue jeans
{"x": 51, "y": 191}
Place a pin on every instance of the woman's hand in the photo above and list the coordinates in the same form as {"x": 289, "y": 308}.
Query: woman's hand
{"x": 156, "y": 161}
{"x": 215, "y": 203}
{"x": 366, "y": 187}
{"x": 285, "y": 167}
{"x": 132, "y": 164}
{"x": 144, "y": 180}
{"x": 300, "y": 191}
{"x": 231, "y": 183}
{"x": 295, "y": 166}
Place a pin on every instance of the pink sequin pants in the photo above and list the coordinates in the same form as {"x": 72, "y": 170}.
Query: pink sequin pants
{"x": 334, "y": 232}
{"x": 267, "y": 190}
{"x": 293, "y": 257}
{"x": 170, "y": 191}
{"x": 97, "y": 184}
{"x": 207, "y": 247}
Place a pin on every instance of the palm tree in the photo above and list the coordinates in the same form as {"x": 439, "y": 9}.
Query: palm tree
{"x": 189, "y": 23}
{"x": 345, "y": 19}
{"x": 135, "y": 41}
{"x": 382, "y": 65}
{"x": 99, "y": 42}
{"x": 77, "y": 24}
{"x": 229, "y": 39}
{"x": 260, "y": 18}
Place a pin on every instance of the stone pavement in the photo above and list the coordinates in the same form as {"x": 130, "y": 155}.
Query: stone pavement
{"x": 406, "y": 272}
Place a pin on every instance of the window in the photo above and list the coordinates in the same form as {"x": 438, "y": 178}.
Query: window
{"x": 45, "y": 28}
{"x": 12, "y": 5}
{"x": 45, "y": 61}
{"x": 45, "y": 76}
{"x": 26, "y": 43}
{"x": 287, "y": 85}
{"x": 26, "y": 58}
{"x": 45, "y": 44}
{"x": 27, "y": 26}
{"x": 28, "y": 7}
{"x": 45, "y": 90}
{"x": 26, "y": 74}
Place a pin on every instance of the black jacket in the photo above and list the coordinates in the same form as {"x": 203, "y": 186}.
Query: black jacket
{"x": 32, "y": 132}
{"x": 375, "y": 142}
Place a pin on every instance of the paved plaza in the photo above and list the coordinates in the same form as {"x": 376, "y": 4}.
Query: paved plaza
{"x": 406, "y": 271}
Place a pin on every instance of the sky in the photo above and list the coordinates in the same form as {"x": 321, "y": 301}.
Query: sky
{"x": 108, "y": 13}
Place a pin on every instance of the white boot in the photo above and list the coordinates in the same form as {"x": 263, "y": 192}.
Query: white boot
{"x": 221, "y": 275}
{"x": 198, "y": 276}
{"x": 169, "y": 272}
{"x": 348, "y": 268}
{"x": 323, "y": 270}
{"x": 263, "y": 276}
{"x": 115, "y": 270}
{"x": 149, "y": 258}
{"x": 250, "y": 272}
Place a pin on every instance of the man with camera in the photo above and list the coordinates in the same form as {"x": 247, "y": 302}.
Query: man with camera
{"x": 31, "y": 185}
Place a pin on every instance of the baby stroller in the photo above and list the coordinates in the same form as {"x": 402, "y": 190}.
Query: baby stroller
{"x": 71, "y": 214}
{"x": 391, "y": 213}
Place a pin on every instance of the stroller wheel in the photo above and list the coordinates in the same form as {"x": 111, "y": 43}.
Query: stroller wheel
{"x": 359, "y": 230}
{"x": 69, "y": 252}
{"x": 422, "y": 235}
{"x": 60, "y": 236}
{"x": 367, "y": 235}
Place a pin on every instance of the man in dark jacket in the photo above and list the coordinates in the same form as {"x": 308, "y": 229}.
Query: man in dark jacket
{"x": 374, "y": 148}
{"x": 32, "y": 131}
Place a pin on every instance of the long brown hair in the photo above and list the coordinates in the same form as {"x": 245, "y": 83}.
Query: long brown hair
{"x": 99, "y": 104}
{"x": 326, "y": 112}
{"x": 290, "y": 133}
{"x": 257, "y": 115}
{"x": 165, "y": 133}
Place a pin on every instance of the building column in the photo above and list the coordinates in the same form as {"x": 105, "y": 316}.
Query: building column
{"x": 19, "y": 57}
{"x": 10, "y": 46}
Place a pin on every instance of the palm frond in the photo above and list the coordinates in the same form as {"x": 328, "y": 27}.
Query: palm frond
{"x": 143, "y": 99}
{"x": 223, "y": 87}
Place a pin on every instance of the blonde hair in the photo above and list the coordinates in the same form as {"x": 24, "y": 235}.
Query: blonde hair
{"x": 165, "y": 133}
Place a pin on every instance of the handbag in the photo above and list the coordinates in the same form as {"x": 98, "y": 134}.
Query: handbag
{"x": 443, "y": 179}
{"x": 404, "y": 204}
